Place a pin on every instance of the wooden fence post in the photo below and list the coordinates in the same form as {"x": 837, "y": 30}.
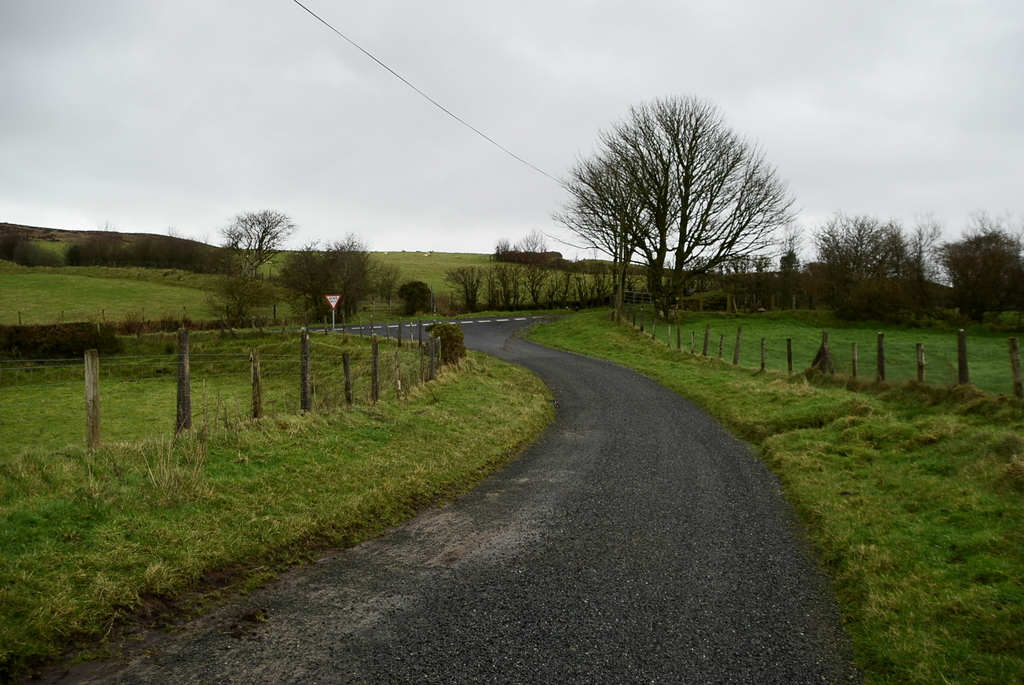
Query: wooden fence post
{"x": 721, "y": 345}
{"x": 764, "y": 352}
{"x": 184, "y": 417}
{"x": 433, "y": 358}
{"x": 257, "y": 383}
{"x": 961, "y": 356}
{"x": 92, "y": 398}
{"x": 679, "y": 336}
{"x": 789, "y": 355}
{"x": 823, "y": 358}
{"x": 306, "y": 396}
{"x": 880, "y": 372}
{"x": 1018, "y": 387}
{"x": 853, "y": 359}
{"x": 707, "y": 338}
{"x": 736, "y": 351}
{"x": 421, "y": 332}
{"x": 693, "y": 342}
{"x": 398, "y": 376}
{"x": 346, "y": 362}
{"x": 374, "y": 370}
{"x": 920, "y": 362}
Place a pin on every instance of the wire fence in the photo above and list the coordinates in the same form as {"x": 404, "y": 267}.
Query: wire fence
{"x": 45, "y": 404}
{"x": 945, "y": 359}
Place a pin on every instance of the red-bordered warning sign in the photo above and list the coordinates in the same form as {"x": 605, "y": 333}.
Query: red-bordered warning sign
{"x": 333, "y": 300}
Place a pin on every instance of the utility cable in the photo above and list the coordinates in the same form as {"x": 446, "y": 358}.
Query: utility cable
{"x": 425, "y": 96}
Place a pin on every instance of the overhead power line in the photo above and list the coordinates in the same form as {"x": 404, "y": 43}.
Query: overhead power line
{"x": 424, "y": 95}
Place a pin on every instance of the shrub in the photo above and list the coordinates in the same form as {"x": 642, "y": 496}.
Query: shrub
{"x": 58, "y": 340}
{"x": 416, "y": 295}
{"x": 453, "y": 348}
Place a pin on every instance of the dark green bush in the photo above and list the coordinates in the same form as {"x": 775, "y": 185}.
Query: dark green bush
{"x": 58, "y": 340}
{"x": 416, "y": 295}
{"x": 453, "y": 348}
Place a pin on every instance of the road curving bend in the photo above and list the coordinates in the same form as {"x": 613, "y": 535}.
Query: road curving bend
{"x": 636, "y": 542}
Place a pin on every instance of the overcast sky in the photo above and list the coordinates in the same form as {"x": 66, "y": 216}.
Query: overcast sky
{"x": 180, "y": 114}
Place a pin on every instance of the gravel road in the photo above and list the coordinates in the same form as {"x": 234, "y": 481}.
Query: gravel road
{"x": 635, "y": 542}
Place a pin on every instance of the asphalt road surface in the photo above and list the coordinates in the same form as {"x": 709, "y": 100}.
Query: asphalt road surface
{"x": 635, "y": 542}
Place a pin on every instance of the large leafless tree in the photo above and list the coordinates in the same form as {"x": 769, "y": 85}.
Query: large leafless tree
{"x": 673, "y": 187}
{"x": 253, "y": 239}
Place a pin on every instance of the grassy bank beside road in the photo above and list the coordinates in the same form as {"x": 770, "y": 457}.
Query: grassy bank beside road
{"x": 912, "y": 496}
{"x": 88, "y": 537}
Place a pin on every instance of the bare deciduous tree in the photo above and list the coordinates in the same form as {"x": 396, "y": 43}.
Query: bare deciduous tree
{"x": 386, "y": 276}
{"x": 342, "y": 268}
{"x": 605, "y": 215}
{"x": 675, "y": 182}
{"x": 535, "y": 277}
{"x": 534, "y": 243}
{"x": 503, "y": 283}
{"x": 467, "y": 281}
{"x": 985, "y": 268}
{"x": 872, "y": 269}
{"x": 253, "y": 239}
{"x": 502, "y": 249}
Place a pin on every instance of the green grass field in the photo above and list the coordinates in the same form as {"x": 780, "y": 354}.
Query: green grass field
{"x": 89, "y": 537}
{"x": 50, "y": 298}
{"x": 989, "y": 357}
{"x": 42, "y": 404}
{"x": 44, "y": 295}
{"x": 430, "y": 267}
{"x": 912, "y": 496}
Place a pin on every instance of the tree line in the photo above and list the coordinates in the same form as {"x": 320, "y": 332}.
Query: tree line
{"x": 867, "y": 268}
{"x": 533, "y": 278}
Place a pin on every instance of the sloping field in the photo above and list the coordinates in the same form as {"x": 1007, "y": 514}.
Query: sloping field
{"x": 430, "y": 267}
{"x": 43, "y": 298}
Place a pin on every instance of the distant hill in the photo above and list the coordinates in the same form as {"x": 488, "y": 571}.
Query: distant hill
{"x": 59, "y": 235}
{"x": 38, "y": 246}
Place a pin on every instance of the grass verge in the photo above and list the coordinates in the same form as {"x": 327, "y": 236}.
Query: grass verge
{"x": 87, "y": 538}
{"x": 912, "y": 495}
